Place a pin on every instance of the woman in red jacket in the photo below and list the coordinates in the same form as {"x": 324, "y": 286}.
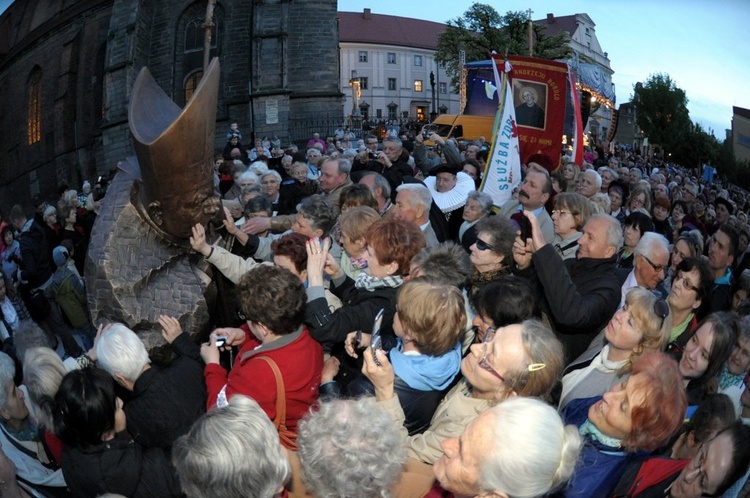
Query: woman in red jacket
{"x": 273, "y": 302}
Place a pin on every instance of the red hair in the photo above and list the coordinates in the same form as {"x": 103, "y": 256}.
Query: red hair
{"x": 395, "y": 241}
{"x": 664, "y": 405}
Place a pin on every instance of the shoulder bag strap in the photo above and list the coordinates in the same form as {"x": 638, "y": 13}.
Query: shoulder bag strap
{"x": 288, "y": 438}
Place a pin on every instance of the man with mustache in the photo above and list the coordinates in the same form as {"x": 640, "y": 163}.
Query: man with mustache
{"x": 533, "y": 195}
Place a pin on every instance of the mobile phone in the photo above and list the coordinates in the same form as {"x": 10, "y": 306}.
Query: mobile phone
{"x": 221, "y": 341}
{"x": 522, "y": 223}
{"x": 377, "y": 341}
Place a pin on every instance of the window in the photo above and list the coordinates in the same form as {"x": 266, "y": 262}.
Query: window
{"x": 363, "y": 83}
{"x": 392, "y": 84}
{"x": 35, "y": 107}
{"x": 379, "y": 113}
{"x": 392, "y": 111}
{"x": 443, "y": 87}
{"x": 391, "y": 57}
{"x": 363, "y": 56}
{"x": 191, "y": 83}
{"x": 195, "y": 35}
{"x": 418, "y": 60}
{"x": 417, "y": 85}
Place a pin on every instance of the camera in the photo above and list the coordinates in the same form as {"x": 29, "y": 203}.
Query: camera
{"x": 221, "y": 341}
{"x": 373, "y": 155}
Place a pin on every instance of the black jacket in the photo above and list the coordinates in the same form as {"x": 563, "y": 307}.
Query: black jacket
{"x": 119, "y": 466}
{"x": 166, "y": 402}
{"x": 579, "y": 295}
{"x": 357, "y": 313}
{"x": 419, "y": 406}
{"x": 36, "y": 264}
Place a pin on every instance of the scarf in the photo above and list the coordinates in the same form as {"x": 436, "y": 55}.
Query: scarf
{"x": 370, "y": 283}
{"x": 728, "y": 379}
{"x": 589, "y": 429}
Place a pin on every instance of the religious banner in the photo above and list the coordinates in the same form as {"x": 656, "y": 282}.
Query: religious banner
{"x": 503, "y": 171}
{"x": 539, "y": 97}
{"x": 576, "y": 138}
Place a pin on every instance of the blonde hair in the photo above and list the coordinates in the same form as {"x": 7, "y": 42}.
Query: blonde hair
{"x": 432, "y": 314}
{"x": 355, "y": 221}
{"x": 655, "y": 331}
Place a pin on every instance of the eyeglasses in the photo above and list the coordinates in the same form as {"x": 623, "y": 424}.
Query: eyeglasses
{"x": 685, "y": 282}
{"x": 657, "y": 268}
{"x": 485, "y": 365}
{"x": 561, "y": 212}
{"x": 489, "y": 334}
{"x": 661, "y": 309}
{"x": 483, "y": 246}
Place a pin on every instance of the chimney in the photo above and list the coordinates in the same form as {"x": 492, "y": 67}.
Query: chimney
{"x": 550, "y": 18}
{"x": 367, "y": 14}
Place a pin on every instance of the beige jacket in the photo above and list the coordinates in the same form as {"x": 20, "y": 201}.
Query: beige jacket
{"x": 451, "y": 417}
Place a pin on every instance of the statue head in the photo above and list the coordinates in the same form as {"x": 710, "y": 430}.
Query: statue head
{"x": 175, "y": 150}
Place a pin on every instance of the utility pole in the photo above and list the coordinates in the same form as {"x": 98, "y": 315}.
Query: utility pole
{"x": 208, "y": 25}
{"x": 531, "y": 34}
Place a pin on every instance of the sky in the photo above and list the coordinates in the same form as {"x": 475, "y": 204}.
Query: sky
{"x": 702, "y": 45}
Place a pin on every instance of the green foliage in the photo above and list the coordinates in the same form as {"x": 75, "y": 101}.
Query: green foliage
{"x": 482, "y": 29}
{"x": 661, "y": 110}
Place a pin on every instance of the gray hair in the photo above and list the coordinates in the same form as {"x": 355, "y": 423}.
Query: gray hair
{"x": 29, "y": 335}
{"x": 319, "y": 211}
{"x": 447, "y": 262}
{"x": 7, "y": 373}
{"x": 532, "y": 452}
{"x": 648, "y": 243}
{"x": 597, "y": 177}
{"x": 421, "y": 195}
{"x": 231, "y": 451}
{"x": 49, "y": 211}
{"x": 273, "y": 173}
{"x": 120, "y": 351}
{"x": 286, "y": 159}
{"x": 393, "y": 140}
{"x": 483, "y": 199}
{"x": 611, "y": 171}
{"x": 350, "y": 153}
{"x": 258, "y": 167}
{"x": 380, "y": 182}
{"x": 615, "y": 237}
{"x": 350, "y": 448}
{"x": 248, "y": 175}
{"x": 344, "y": 165}
{"x": 43, "y": 371}
{"x": 256, "y": 188}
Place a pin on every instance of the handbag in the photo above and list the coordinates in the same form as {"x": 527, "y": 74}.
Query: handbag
{"x": 287, "y": 437}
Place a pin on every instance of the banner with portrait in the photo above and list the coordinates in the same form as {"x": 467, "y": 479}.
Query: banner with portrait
{"x": 539, "y": 89}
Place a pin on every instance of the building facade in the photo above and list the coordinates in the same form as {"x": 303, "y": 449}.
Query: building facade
{"x": 388, "y": 68}
{"x": 741, "y": 133}
{"x": 592, "y": 66}
{"x": 67, "y": 69}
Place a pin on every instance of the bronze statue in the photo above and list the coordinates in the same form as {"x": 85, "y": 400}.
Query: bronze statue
{"x": 139, "y": 264}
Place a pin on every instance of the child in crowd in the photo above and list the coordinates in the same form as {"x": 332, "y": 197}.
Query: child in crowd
{"x": 234, "y": 131}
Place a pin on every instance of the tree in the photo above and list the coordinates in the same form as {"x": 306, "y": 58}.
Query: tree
{"x": 661, "y": 111}
{"x": 482, "y": 29}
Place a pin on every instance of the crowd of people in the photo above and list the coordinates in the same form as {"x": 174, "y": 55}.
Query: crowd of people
{"x": 386, "y": 331}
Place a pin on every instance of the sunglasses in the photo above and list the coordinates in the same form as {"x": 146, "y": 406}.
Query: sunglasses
{"x": 661, "y": 309}
{"x": 483, "y": 246}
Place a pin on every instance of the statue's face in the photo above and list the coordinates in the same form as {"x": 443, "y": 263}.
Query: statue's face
{"x": 179, "y": 213}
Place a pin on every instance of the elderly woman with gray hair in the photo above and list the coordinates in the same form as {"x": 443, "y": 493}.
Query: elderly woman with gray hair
{"x": 478, "y": 206}
{"x": 231, "y": 452}
{"x": 519, "y": 448}
{"x": 350, "y": 448}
